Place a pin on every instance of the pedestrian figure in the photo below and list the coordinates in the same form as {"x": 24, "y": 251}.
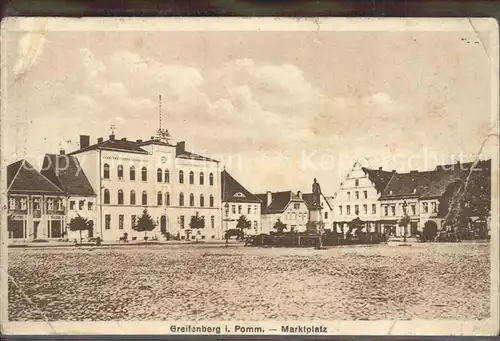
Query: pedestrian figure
{"x": 98, "y": 241}
{"x": 75, "y": 242}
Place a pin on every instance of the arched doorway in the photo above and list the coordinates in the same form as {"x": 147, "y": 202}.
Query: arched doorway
{"x": 164, "y": 225}
{"x": 430, "y": 231}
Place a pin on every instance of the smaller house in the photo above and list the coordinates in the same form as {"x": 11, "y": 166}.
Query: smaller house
{"x": 36, "y": 207}
{"x": 237, "y": 201}
{"x": 285, "y": 206}
{"x": 65, "y": 172}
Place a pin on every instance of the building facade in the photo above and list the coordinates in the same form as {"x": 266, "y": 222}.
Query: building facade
{"x": 171, "y": 183}
{"x": 65, "y": 172}
{"x": 358, "y": 197}
{"x": 36, "y": 207}
{"x": 286, "y": 207}
{"x": 237, "y": 201}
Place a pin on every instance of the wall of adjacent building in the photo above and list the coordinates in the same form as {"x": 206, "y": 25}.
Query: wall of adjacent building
{"x": 252, "y": 211}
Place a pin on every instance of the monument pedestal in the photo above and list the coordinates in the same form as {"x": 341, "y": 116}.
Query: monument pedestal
{"x": 316, "y": 226}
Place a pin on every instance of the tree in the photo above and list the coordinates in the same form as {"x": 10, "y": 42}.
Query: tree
{"x": 279, "y": 226}
{"x": 80, "y": 224}
{"x": 243, "y": 224}
{"x": 144, "y": 224}
{"x": 197, "y": 222}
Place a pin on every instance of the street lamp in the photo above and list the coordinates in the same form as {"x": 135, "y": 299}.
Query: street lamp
{"x": 405, "y": 205}
{"x": 226, "y": 210}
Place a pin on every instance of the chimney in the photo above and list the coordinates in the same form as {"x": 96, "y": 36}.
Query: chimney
{"x": 123, "y": 139}
{"x": 99, "y": 140}
{"x": 139, "y": 141}
{"x": 380, "y": 168}
{"x": 269, "y": 198}
{"x": 414, "y": 171}
{"x": 112, "y": 137}
{"x": 299, "y": 194}
{"x": 180, "y": 147}
{"x": 84, "y": 141}
{"x": 62, "y": 152}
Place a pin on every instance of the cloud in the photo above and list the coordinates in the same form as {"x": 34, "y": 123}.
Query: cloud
{"x": 30, "y": 48}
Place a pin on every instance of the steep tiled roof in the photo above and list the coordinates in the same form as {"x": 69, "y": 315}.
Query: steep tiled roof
{"x": 307, "y": 197}
{"x": 411, "y": 184}
{"x": 65, "y": 171}
{"x": 113, "y": 144}
{"x": 279, "y": 203}
{"x": 230, "y": 187}
{"x": 380, "y": 178}
{"x": 23, "y": 178}
{"x": 438, "y": 181}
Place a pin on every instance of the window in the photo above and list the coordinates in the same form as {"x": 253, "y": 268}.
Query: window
{"x": 120, "y": 197}
{"x": 12, "y": 203}
{"x": 386, "y": 210}
{"x": 233, "y": 209}
{"x": 413, "y": 209}
{"x": 107, "y": 221}
{"x": 191, "y": 199}
{"x": 132, "y": 220}
{"x": 434, "y": 207}
{"x": 296, "y": 206}
{"x": 249, "y": 209}
{"x": 202, "y": 180}
{"x": 81, "y": 205}
{"x": 349, "y": 195}
{"x": 49, "y": 204}
{"x": 294, "y": 216}
{"x": 191, "y": 177}
{"x": 144, "y": 174}
{"x": 365, "y": 193}
{"x": 132, "y": 173}
{"x": 167, "y": 198}
{"x": 211, "y": 201}
{"x": 159, "y": 175}
{"x": 254, "y": 209}
{"x": 106, "y": 196}
{"x": 106, "y": 171}
{"x": 132, "y": 197}
{"x": 181, "y": 221}
{"x": 71, "y": 205}
{"x": 425, "y": 207}
{"x": 120, "y": 222}
{"x": 167, "y": 176}
{"x": 211, "y": 179}
{"x": 202, "y": 200}
{"x": 348, "y": 209}
{"x": 365, "y": 209}
{"x": 181, "y": 177}
{"x": 340, "y": 210}
{"x": 357, "y": 195}
{"x": 119, "y": 172}
{"x": 90, "y": 205}
{"x": 36, "y": 204}
{"x": 144, "y": 198}
{"x": 239, "y": 209}
{"x": 181, "y": 199}
{"x": 159, "y": 199}
{"x": 356, "y": 182}
{"x": 256, "y": 225}
{"x": 374, "y": 209}
{"x": 356, "y": 209}
{"x": 212, "y": 222}
{"x": 393, "y": 210}
{"x": 326, "y": 215}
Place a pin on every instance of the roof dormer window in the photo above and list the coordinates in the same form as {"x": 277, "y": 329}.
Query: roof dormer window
{"x": 239, "y": 195}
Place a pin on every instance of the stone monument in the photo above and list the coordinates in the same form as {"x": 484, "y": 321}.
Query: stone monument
{"x": 315, "y": 224}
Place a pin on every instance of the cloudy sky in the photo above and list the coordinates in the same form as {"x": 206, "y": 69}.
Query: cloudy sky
{"x": 278, "y": 108}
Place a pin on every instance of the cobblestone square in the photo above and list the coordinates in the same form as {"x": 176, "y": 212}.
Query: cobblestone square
{"x": 208, "y": 282}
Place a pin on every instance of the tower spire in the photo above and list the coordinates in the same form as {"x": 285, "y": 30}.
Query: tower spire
{"x": 159, "y": 112}
{"x": 162, "y": 134}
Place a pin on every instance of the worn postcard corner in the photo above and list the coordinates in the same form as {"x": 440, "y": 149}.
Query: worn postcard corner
{"x": 230, "y": 176}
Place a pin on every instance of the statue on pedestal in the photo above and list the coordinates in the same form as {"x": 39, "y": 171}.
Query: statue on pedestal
{"x": 316, "y": 194}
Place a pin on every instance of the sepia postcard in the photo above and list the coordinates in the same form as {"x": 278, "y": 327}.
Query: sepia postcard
{"x": 250, "y": 176}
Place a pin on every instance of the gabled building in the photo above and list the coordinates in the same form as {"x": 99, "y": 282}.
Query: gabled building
{"x": 36, "y": 206}
{"x": 285, "y": 206}
{"x": 172, "y": 183}
{"x": 326, "y": 208}
{"x": 358, "y": 197}
{"x": 237, "y": 201}
{"x": 65, "y": 172}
